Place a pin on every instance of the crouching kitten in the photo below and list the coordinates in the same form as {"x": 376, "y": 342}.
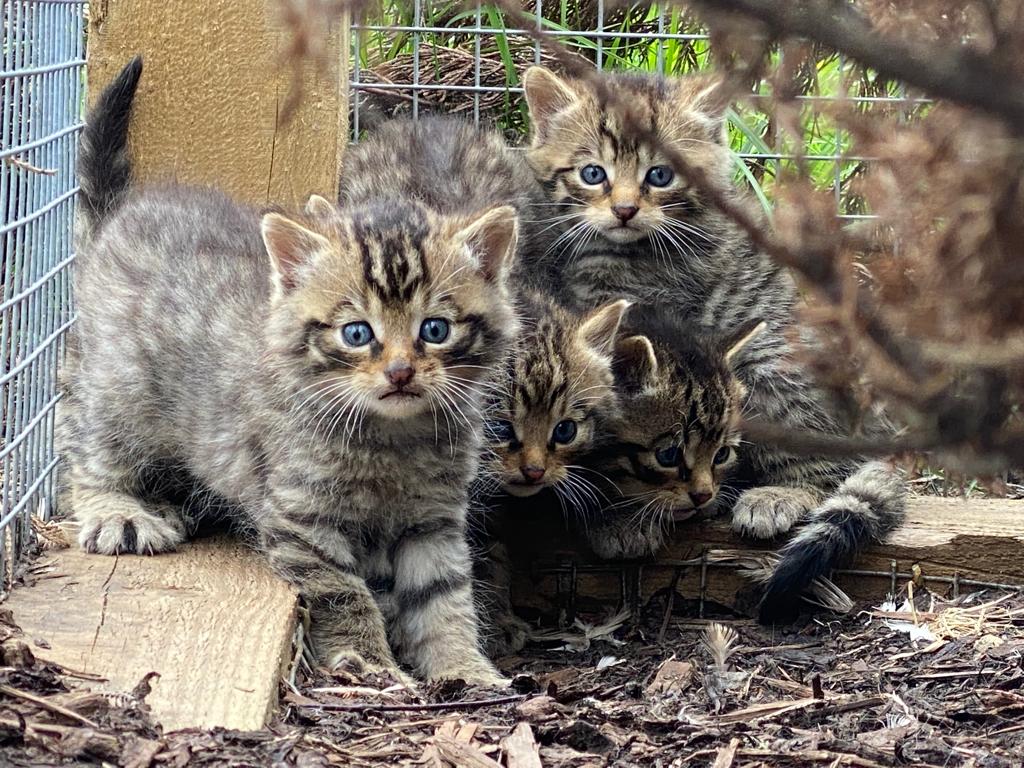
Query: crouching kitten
{"x": 303, "y": 371}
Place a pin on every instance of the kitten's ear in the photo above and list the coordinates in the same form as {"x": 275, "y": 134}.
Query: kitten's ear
{"x": 290, "y": 246}
{"x": 739, "y": 338}
{"x": 705, "y": 98}
{"x": 546, "y": 94}
{"x": 320, "y": 207}
{"x": 599, "y": 328}
{"x": 635, "y": 363}
{"x": 492, "y": 238}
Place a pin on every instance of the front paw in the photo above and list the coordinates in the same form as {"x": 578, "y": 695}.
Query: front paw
{"x": 626, "y": 543}
{"x": 764, "y": 513}
{"x": 353, "y": 663}
{"x": 482, "y": 675}
{"x": 507, "y": 634}
{"x": 129, "y": 532}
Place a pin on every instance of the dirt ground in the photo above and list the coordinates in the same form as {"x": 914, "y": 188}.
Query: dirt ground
{"x": 937, "y": 683}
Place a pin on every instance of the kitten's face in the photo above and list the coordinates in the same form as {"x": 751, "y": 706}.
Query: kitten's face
{"x": 679, "y": 441}
{"x": 596, "y": 150}
{"x": 392, "y": 310}
{"x": 559, "y": 394}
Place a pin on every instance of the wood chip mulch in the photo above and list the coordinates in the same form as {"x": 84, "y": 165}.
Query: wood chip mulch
{"x": 928, "y": 682}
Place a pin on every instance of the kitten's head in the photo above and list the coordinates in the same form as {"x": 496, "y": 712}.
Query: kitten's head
{"x": 390, "y": 309}
{"x": 597, "y": 149}
{"x": 559, "y": 394}
{"x": 679, "y": 436}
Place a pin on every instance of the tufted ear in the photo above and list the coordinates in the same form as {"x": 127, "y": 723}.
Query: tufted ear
{"x": 704, "y": 99}
{"x": 635, "y": 363}
{"x": 492, "y": 239}
{"x": 546, "y": 95}
{"x": 734, "y": 343}
{"x": 320, "y": 207}
{"x": 600, "y": 327}
{"x": 290, "y": 246}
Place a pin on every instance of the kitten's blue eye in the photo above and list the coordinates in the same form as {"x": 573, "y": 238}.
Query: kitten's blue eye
{"x": 660, "y": 176}
{"x": 592, "y": 174}
{"x": 564, "y": 432}
{"x": 501, "y": 431}
{"x": 357, "y": 334}
{"x": 434, "y": 330}
{"x": 668, "y": 456}
{"x": 723, "y": 455}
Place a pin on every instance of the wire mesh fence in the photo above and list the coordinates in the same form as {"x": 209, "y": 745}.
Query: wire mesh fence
{"x": 42, "y": 82}
{"x": 416, "y": 57}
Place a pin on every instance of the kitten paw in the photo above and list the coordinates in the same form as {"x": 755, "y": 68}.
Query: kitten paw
{"x": 485, "y": 676}
{"x": 355, "y": 664}
{"x": 129, "y": 531}
{"x": 507, "y": 635}
{"x": 627, "y": 543}
{"x": 764, "y": 513}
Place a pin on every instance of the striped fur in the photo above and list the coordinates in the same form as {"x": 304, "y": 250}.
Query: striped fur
{"x": 104, "y": 166}
{"x": 207, "y": 371}
{"x": 677, "y": 445}
{"x": 682, "y": 253}
{"x": 554, "y": 406}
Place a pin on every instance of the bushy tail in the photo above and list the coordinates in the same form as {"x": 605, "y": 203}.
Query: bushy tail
{"x": 866, "y": 507}
{"x": 104, "y": 166}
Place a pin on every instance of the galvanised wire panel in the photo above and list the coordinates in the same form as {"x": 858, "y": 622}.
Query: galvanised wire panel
{"x": 42, "y": 82}
{"x": 413, "y": 57}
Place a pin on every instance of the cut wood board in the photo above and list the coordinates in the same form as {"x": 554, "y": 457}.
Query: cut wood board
{"x": 211, "y": 619}
{"x": 980, "y": 540}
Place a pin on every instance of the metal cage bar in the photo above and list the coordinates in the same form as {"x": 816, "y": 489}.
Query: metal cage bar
{"x": 419, "y": 56}
{"x": 41, "y": 84}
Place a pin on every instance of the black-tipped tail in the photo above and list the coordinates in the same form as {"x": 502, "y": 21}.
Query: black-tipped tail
{"x": 865, "y": 508}
{"x": 104, "y": 166}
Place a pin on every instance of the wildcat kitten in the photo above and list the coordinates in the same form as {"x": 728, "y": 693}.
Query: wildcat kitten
{"x": 636, "y": 228}
{"x": 308, "y": 391}
{"x": 559, "y": 388}
{"x": 451, "y": 166}
{"x": 556, "y": 401}
{"x": 554, "y": 406}
{"x": 677, "y": 441}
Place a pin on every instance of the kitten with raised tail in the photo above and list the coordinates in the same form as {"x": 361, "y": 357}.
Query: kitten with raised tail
{"x": 555, "y": 405}
{"x": 634, "y": 227}
{"x": 321, "y": 375}
{"x": 677, "y": 444}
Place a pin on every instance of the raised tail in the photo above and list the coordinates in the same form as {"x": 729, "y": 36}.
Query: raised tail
{"x": 104, "y": 166}
{"x": 866, "y": 507}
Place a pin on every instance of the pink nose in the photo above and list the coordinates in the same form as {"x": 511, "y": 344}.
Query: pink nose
{"x": 533, "y": 474}
{"x": 399, "y": 374}
{"x": 625, "y": 212}
{"x": 699, "y": 498}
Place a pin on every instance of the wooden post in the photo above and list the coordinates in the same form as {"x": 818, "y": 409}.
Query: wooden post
{"x": 208, "y": 110}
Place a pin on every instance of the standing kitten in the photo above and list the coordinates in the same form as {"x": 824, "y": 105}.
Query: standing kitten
{"x": 555, "y": 405}
{"x": 310, "y": 391}
{"x": 636, "y": 228}
{"x": 451, "y": 166}
{"x": 678, "y": 440}
{"x": 559, "y": 388}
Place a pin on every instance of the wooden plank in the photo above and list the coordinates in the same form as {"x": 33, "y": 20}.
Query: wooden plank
{"x": 980, "y": 540}
{"x": 208, "y": 110}
{"x": 211, "y": 619}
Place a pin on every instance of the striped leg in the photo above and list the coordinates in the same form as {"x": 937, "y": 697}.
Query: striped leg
{"x": 503, "y": 632}
{"x": 347, "y": 625}
{"x": 113, "y": 519}
{"x": 435, "y": 622}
